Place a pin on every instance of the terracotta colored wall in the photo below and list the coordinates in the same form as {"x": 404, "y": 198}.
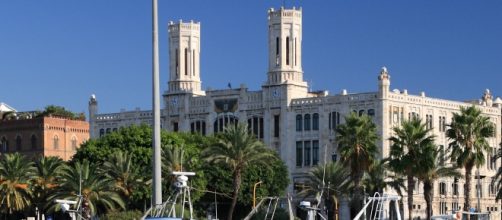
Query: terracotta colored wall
{"x": 44, "y": 129}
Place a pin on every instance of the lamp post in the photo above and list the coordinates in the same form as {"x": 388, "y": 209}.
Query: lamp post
{"x": 254, "y": 193}
{"x": 157, "y": 187}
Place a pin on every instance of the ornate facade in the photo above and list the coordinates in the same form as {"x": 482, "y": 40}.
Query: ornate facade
{"x": 298, "y": 124}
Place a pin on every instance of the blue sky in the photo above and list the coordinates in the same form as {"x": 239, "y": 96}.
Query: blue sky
{"x": 62, "y": 51}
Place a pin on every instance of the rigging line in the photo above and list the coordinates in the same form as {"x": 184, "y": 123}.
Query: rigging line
{"x": 214, "y": 192}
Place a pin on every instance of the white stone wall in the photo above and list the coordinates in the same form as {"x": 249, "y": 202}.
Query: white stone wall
{"x": 286, "y": 95}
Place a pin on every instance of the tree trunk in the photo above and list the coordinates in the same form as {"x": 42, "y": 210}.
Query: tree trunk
{"x": 235, "y": 194}
{"x": 356, "y": 203}
{"x": 410, "y": 187}
{"x": 467, "y": 189}
{"x": 428, "y": 189}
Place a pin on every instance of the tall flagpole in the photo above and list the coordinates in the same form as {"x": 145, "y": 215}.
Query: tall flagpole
{"x": 157, "y": 187}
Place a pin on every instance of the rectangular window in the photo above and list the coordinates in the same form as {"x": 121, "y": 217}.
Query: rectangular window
{"x": 277, "y": 47}
{"x": 177, "y": 57}
{"x": 428, "y": 121}
{"x": 440, "y": 123}
{"x": 175, "y": 126}
{"x": 255, "y": 126}
{"x": 276, "y": 125}
{"x": 442, "y": 154}
{"x": 299, "y": 153}
{"x": 315, "y": 152}
{"x": 186, "y": 61}
{"x": 261, "y": 128}
{"x": 287, "y": 50}
{"x": 277, "y": 43}
{"x": 306, "y": 153}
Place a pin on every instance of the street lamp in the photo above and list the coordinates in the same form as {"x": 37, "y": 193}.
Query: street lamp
{"x": 157, "y": 185}
{"x": 254, "y": 193}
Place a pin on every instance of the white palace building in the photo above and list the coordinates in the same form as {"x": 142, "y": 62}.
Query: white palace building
{"x": 299, "y": 124}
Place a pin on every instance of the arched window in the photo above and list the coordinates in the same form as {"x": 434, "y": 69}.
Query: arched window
{"x": 101, "y": 132}
{"x": 334, "y": 120}
{"x": 223, "y": 121}
{"x": 5, "y": 144}
{"x": 33, "y": 142}
{"x": 108, "y": 130}
{"x": 361, "y": 112}
{"x": 315, "y": 122}
{"x": 299, "y": 122}
{"x": 371, "y": 112}
{"x": 74, "y": 143}
{"x": 306, "y": 125}
{"x": 18, "y": 143}
{"x": 55, "y": 142}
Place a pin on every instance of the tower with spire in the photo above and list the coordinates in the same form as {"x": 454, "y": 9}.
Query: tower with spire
{"x": 285, "y": 74}
{"x": 184, "y": 58}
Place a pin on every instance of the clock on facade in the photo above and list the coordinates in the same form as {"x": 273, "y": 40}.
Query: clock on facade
{"x": 276, "y": 93}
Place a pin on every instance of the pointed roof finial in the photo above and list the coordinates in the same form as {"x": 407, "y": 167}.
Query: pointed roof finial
{"x": 384, "y": 69}
{"x": 384, "y": 74}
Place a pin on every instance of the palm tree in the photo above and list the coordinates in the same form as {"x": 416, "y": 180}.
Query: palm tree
{"x": 432, "y": 167}
{"x": 333, "y": 179}
{"x": 408, "y": 143}
{"x": 97, "y": 190}
{"x": 358, "y": 150}
{"x": 376, "y": 180}
{"x": 47, "y": 171}
{"x": 126, "y": 177}
{"x": 15, "y": 178}
{"x": 172, "y": 159}
{"x": 237, "y": 149}
{"x": 469, "y": 131}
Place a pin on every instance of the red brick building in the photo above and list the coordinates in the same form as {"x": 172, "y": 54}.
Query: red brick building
{"x": 47, "y": 136}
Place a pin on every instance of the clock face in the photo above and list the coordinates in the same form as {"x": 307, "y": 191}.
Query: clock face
{"x": 276, "y": 93}
{"x": 174, "y": 101}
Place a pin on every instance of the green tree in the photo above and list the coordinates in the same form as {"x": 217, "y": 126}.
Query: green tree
{"x": 468, "y": 132}
{"x": 358, "y": 150}
{"x": 333, "y": 180}
{"x": 62, "y": 112}
{"x": 376, "y": 180}
{"x": 136, "y": 141}
{"x": 432, "y": 167}
{"x": 127, "y": 177}
{"x": 408, "y": 143}
{"x": 97, "y": 190}
{"x": 16, "y": 174}
{"x": 46, "y": 180}
{"x": 238, "y": 149}
{"x": 273, "y": 175}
